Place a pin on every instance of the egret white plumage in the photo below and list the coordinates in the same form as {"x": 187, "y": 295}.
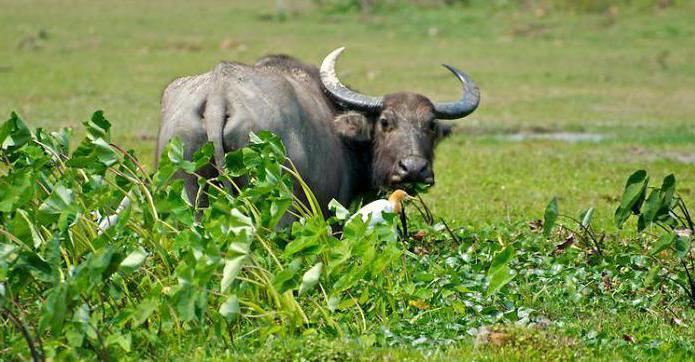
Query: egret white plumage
{"x": 111, "y": 220}
{"x": 377, "y": 208}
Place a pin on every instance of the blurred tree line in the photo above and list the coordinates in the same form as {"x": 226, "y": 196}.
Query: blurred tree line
{"x": 368, "y": 6}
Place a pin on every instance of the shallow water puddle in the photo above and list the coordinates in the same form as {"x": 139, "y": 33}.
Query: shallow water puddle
{"x": 681, "y": 157}
{"x": 641, "y": 154}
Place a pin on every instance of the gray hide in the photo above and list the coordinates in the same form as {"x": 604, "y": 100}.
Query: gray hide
{"x": 235, "y": 99}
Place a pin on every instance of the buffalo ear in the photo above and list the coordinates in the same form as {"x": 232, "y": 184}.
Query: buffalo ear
{"x": 352, "y": 126}
{"x": 443, "y": 130}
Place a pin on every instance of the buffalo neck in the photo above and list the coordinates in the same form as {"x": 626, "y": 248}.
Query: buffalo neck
{"x": 359, "y": 160}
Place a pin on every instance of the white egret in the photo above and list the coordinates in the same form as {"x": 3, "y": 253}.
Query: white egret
{"x": 377, "y": 208}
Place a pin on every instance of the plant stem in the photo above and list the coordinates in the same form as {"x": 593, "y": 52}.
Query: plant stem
{"x": 430, "y": 218}
{"x": 404, "y": 223}
{"x": 587, "y": 231}
{"x": 690, "y": 283}
{"x": 35, "y": 355}
{"x": 448, "y": 229}
{"x": 681, "y": 205}
{"x": 133, "y": 159}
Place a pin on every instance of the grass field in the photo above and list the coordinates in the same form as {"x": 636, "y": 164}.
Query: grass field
{"x": 626, "y": 77}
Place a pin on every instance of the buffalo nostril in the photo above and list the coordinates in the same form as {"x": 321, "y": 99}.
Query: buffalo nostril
{"x": 426, "y": 172}
{"x": 424, "y": 169}
{"x": 403, "y": 168}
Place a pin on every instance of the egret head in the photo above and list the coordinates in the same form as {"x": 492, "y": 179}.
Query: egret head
{"x": 397, "y": 197}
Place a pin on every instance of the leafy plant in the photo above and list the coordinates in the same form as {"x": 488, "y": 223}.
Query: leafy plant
{"x": 663, "y": 208}
{"x": 240, "y": 272}
{"x": 73, "y": 289}
{"x": 585, "y": 231}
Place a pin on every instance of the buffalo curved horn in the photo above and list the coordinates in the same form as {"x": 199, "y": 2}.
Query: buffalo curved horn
{"x": 343, "y": 95}
{"x": 464, "y": 106}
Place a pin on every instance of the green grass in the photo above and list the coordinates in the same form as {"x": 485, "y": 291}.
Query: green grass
{"x": 628, "y": 76}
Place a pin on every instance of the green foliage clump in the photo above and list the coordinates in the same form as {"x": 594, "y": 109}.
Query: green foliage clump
{"x": 663, "y": 208}
{"x": 237, "y": 276}
{"x": 166, "y": 267}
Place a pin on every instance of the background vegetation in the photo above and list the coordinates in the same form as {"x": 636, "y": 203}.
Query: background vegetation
{"x": 576, "y": 96}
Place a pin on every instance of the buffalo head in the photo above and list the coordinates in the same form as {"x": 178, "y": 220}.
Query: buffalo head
{"x": 401, "y": 128}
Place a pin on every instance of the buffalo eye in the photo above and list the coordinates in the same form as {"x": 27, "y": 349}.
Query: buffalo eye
{"x": 385, "y": 124}
{"x": 433, "y": 126}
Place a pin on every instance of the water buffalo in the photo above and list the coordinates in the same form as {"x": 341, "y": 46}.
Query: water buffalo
{"x": 342, "y": 142}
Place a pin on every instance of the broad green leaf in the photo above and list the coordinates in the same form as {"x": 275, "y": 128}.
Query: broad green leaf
{"x": 13, "y": 134}
{"x": 501, "y": 259}
{"x": 234, "y": 163}
{"x": 102, "y": 260}
{"x": 267, "y": 137}
{"x": 288, "y": 278}
{"x": 166, "y": 317}
{"x": 341, "y": 213}
{"x": 165, "y": 171}
{"x": 389, "y": 255}
{"x": 58, "y": 142}
{"x": 303, "y": 243}
{"x": 60, "y": 205}
{"x": 499, "y": 273}
{"x": 144, "y": 309}
{"x": 82, "y": 316}
{"x": 333, "y": 303}
{"x": 185, "y": 303}
{"x": 133, "y": 261}
{"x": 67, "y": 219}
{"x": 550, "y": 216}
{"x": 24, "y": 229}
{"x": 668, "y": 187}
{"x": 96, "y": 269}
{"x": 203, "y": 155}
{"x": 423, "y": 277}
{"x": 95, "y": 153}
{"x": 16, "y": 190}
{"x": 98, "y": 127}
{"x": 499, "y": 279}
{"x": 649, "y": 210}
{"x": 682, "y": 246}
{"x": 60, "y": 199}
{"x": 349, "y": 279}
{"x": 54, "y": 309}
{"x": 122, "y": 340}
{"x": 175, "y": 153}
{"x": 658, "y": 204}
{"x": 238, "y": 248}
{"x": 240, "y": 224}
{"x": 37, "y": 266}
{"x": 586, "y": 216}
{"x": 104, "y": 153}
{"x": 230, "y": 309}
{"x": 74, "y": 337}
{"x": 232, "y": 267}
{"x": 665, "y": 241}
{"x": 311, "y": 278}
{"x": 633, "y": 195}
{"x": 652, "y": 276}
{"x": 172, "y": 159}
